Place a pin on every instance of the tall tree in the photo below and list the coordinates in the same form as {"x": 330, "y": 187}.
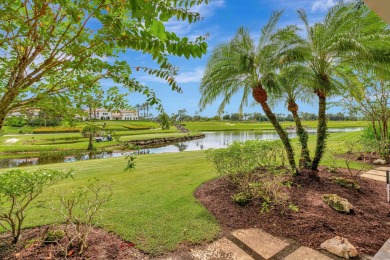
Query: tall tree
{"x": 240, "y": 64}
{"x": 347, "y": 37}
{"x": 290, "y": 81}
{"x": 62, "y": 48}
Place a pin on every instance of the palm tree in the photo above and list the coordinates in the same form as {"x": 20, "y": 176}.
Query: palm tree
{"x": 182, "y": 114}
{"x": 90, "y": 131}
{"x": 290, "y": 81}
{"x": 240, "y": 64}
{"x": 347, "y": 38}
{"x": 146, "y": 107}
{"x": 138, "y": 107}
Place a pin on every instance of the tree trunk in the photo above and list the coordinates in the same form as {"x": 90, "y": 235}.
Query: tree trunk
{"x": 304, "y": 161}
{"x": 262, "y": 99}
{"x": 90, "y": 144}
{"x": 2, "y": 119}
{"x": 321, "y": 130}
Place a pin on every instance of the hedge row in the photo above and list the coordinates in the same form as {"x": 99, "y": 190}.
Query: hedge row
{"x": 133, "y": 127}
{"x": 52, "y": 130}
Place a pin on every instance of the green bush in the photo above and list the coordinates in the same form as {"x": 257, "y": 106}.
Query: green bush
{"x": 53, "y": 236}
{"x": 372, "y": 142}
{"x": 15, "y": 121}
{"x": 242, "y": 198}
{"x": 244, "y": 157}
{"x": 256, "y": 168}
{"x": 18, "y": 189}
{"x": 347, "y": 183}
{"x": 26, "y": 130}
{"x": 54, "y": 130}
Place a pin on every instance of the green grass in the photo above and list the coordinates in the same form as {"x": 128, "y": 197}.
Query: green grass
{"x": 154, "y": 206}
{"x": 74, "y": 141}
{"x": 247, "y": 126}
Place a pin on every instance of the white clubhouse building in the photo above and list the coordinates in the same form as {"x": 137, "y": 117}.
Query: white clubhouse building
{"x": 104, "y": 114}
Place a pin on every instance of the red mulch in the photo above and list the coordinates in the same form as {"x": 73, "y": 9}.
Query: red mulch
{"x": 367, "y": 228}
{"x": 102, "y": 245}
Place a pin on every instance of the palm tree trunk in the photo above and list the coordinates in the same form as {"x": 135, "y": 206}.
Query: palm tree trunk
{"x": 304, "y": 161}
{"x": 321, "y": 130}
{"x": 90, "y": 144}
{"x": 272, "y": 118}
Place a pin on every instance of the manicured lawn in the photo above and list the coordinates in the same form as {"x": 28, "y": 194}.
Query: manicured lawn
{"x": 236, "y": 126}
{"x": 66, "y": 141}
{"x": 154, "y": 206}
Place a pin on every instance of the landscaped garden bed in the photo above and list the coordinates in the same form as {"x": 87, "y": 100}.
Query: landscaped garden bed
{"x": 367, "y": 227}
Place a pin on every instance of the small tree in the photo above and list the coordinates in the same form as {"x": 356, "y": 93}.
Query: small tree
{"x": 80, "y": 209}
{"x": 18, "y": 189}
{"x": 181, "y": 114}
{"x": 90, "y": 131}
{"x": 164, "y": 119}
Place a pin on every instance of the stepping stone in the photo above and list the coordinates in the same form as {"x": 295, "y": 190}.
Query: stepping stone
{"x": 382, "y": 169}
{"x": 306, "y": 253}
{"x": 222, "y": 249}
{"x": 384, "y": 252}
{"x": 374, "y": 177}
{"x": 375, "y": 172}
{"x": 260, "y": 242}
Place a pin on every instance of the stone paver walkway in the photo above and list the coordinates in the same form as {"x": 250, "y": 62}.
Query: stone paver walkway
{"x": 255, "y": 244}
{"x": 378, "y": 174}
{"x": 384, "y": 252}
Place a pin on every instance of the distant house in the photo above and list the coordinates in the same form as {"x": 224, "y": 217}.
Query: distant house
{"x": 31, "y": 112}
{"x": 104, "y": 114}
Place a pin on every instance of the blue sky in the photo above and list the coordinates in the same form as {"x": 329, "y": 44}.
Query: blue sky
{"x": 221, "y": 20}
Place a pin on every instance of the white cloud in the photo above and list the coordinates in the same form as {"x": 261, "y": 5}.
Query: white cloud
{"x": 322, "y": 5}
{"x": 317, "y": 6}
{"x": 205, "y": 10}
{"x": 193, "y": 76}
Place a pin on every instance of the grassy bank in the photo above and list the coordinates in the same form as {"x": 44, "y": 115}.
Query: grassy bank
{"x": 74, "y": 141}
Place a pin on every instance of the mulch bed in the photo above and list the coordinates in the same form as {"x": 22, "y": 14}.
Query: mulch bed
{"x": 102, "y": 245}
{"x": 367, "y": 228}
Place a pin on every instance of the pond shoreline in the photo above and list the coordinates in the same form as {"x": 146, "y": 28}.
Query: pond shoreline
{"x": 165, "y": 140}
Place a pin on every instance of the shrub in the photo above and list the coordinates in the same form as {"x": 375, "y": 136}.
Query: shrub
{"x": 350, "y": 184}
{"x": 26, "y": 130}
{"x": 54, "y": 130}
{"x": 137, "y": 127}
{"x": 256, "y": 168}
{"x": 374, "y": 143}
{"x": 79, "y": 209}
{"x": 242, "y": 198}
{"x": 18, "y": 189}
{"x": 355, "y": 152}
{"x": 240, "y": 160}
{"x": 333, "y": 165}
{"x": 53, "y": 236}
{"x": 273, "y": 191}
{"x": 16, "y": 121}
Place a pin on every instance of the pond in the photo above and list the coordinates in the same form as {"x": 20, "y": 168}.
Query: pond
{"x": 211, "y": 140}
{"x": 223, "y": 139}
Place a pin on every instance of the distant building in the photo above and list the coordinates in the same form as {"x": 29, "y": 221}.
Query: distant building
{"x": 104, "y": 114}
{"x": 31, "y": 112}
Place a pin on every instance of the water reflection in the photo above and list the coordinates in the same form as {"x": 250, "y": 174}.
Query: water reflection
{"x": 211, "y": 140}
{"x": 223, "y": 139}
{"x": 56, "y": 157}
